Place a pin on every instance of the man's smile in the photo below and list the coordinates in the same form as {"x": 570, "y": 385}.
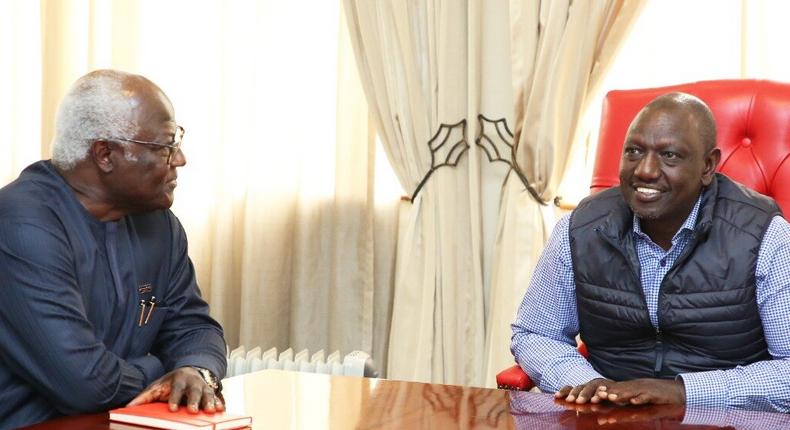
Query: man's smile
{"x": 647, "y": 194}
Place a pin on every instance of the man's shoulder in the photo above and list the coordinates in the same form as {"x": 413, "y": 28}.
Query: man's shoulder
{"x": 32, "y": 211}
{"x": 33, "y": 195}
{"x": 596, "y": 207}
{"x": 738, "y": 193}
{"x": 605, "y": 197}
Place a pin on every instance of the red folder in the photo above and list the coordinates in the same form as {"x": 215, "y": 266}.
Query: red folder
{"x": 157, "y": 415}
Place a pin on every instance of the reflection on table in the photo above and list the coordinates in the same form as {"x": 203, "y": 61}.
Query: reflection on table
{"x": 539, "y": 411}
{"x": 292, "y": 400}
{"x": 338, "y": 402}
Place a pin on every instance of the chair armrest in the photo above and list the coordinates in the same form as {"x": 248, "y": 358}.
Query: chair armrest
{"x": 513, "y": 378}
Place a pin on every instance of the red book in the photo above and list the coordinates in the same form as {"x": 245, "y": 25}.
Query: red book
{"x": 157, "y": 415}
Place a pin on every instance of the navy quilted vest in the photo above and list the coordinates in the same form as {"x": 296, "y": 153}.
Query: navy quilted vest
{"x": 707, "y": 310}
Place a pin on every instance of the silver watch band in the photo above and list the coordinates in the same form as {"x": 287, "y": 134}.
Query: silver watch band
{"x": 211, "y": 379}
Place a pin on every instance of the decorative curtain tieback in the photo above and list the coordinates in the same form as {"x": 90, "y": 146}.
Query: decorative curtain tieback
{"x": 498, "y": 148}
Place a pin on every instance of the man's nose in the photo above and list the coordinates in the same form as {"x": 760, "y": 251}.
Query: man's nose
{"x": 178, "y": 159}
{"x": 648, "y": 167}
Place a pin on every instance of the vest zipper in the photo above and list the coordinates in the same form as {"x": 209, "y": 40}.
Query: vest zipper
{"x": 659, "y": 352}
{"x": 659, "y": 336}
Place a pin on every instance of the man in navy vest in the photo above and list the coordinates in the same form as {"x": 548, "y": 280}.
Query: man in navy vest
{"x": 678, "y": 281}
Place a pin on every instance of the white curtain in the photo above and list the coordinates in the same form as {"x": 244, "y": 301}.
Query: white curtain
{"x": 426, "y": 65}
{"x": 560, "y": 52}
{"x": 292, "y": 244}
{"x": 20, "y": 88}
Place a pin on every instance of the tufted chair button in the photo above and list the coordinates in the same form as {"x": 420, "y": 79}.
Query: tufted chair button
{"x": 746, "y": 142}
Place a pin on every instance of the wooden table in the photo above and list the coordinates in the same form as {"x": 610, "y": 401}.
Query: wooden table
{"x": 292, "y": 400}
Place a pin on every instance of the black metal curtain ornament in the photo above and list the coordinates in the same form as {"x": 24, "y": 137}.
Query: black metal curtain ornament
{"x": 497, "y": 146}
{"x": 449, "y": 154}
{"x": 500, "y": 148}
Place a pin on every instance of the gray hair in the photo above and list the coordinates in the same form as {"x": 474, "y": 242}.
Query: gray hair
{"x": 96, "y": 107}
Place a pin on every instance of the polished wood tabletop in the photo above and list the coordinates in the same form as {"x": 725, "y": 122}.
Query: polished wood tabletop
{"x": 291, "y": 400}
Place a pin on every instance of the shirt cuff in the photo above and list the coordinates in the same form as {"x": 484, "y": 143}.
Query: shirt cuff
{"x": 705, "y": 389}
{"x": 150, "y": 366}
{"x": 574, "y": 375}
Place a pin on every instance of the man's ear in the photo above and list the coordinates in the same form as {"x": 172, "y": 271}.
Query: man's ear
{"x": 711, "y": 162}
{"x": 100, "y": 152}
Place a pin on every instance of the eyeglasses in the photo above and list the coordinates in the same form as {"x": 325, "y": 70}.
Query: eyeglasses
{"x": 173, "y": 147}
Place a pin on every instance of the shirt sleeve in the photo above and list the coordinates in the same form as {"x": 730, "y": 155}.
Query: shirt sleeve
{"x": 46, "y": 338}
{"x": 188, "y": 336}
{"x": 763, "y": 385}
{"x": 546, "y": 325}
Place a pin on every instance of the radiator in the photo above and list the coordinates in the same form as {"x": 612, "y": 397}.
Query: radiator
{"x": 355, "y": 363}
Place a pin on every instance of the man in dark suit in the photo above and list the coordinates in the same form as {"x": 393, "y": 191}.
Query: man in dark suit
{"x": 100, "y": 303}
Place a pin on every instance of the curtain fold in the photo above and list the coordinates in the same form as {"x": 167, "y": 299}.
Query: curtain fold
{"x": 560, "y": 52}
{"x": 20, "y": 87}
{"x": 425, "y": 66}
{"x": 298, "y": 251}
{"x": 290, "y": 244}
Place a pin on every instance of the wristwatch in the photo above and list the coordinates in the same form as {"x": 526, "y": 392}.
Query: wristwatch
{"x": 211, "y": 379}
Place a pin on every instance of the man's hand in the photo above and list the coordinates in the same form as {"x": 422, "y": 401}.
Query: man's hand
{"x": 173, "y": 387}
{"x": 644, "y": 391}
{"x": 584, "y": 393}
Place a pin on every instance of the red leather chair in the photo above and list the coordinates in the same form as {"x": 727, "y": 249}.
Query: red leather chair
{"x": 753, "y": 125}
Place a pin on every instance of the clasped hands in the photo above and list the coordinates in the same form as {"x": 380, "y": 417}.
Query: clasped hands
{"x": 634, "y": 392}
{"x": 184, "y": 383}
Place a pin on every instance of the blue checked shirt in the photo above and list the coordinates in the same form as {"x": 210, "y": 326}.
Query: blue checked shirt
{"x": 547, "y": 322}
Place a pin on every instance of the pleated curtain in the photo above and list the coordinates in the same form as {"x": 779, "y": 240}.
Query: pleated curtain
{"x": 425, "y": 66}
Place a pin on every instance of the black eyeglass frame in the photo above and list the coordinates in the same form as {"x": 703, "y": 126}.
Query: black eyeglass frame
{"x": 173, "y": 147}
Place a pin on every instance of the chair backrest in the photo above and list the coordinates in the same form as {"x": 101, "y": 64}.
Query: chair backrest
{"x": 753, "y": 124}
